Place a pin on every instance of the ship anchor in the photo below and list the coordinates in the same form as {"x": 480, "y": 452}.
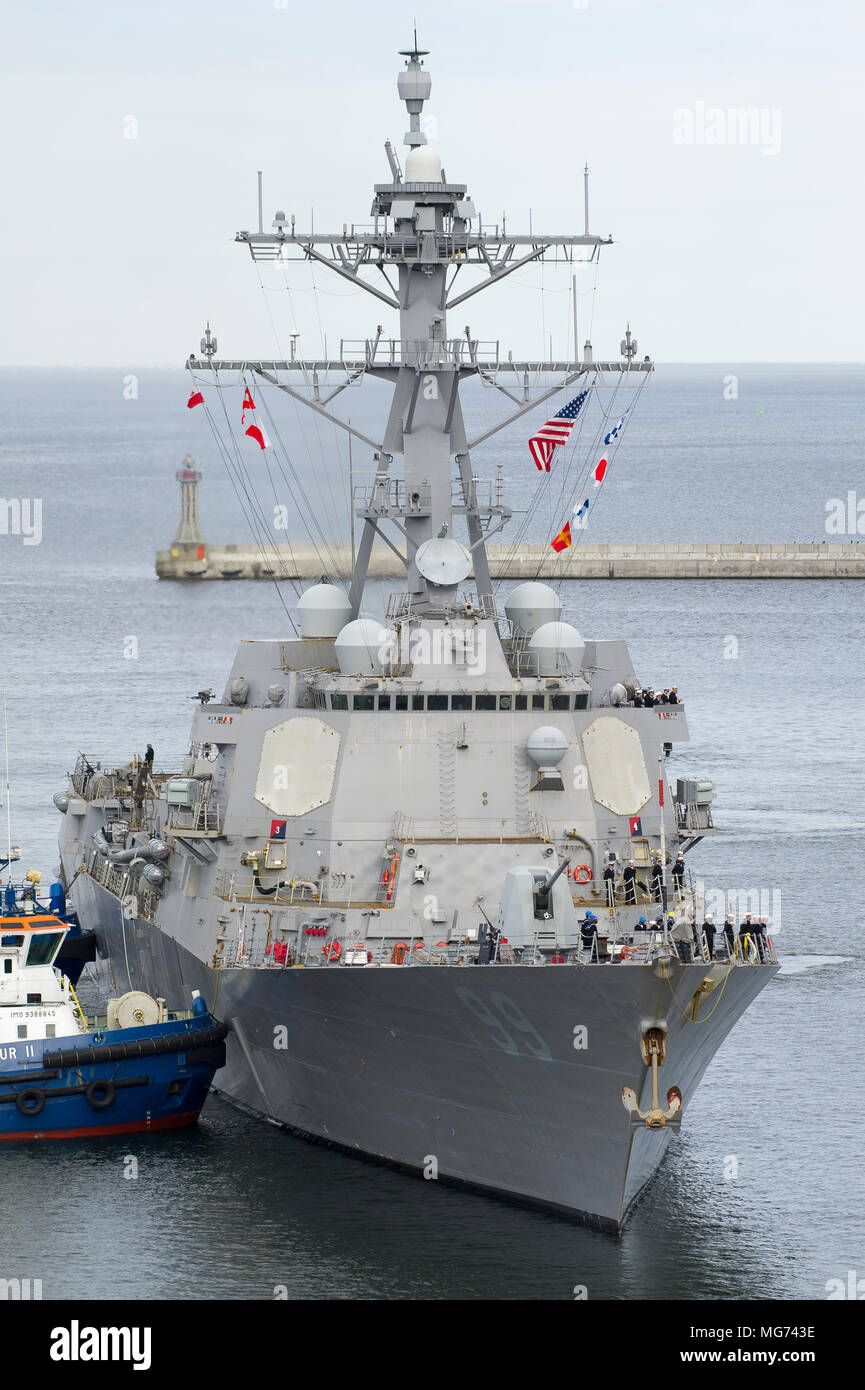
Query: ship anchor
{"x": 653, "y": 1048}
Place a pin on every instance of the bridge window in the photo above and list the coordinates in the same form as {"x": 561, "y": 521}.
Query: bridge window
{"x": 42, "y": 947}
{"x": 363, "y": 702}
{"x": 485, "y": 702}
{"x": 437, "y": 702}
{"x": 384, "y": 702}
{"x": 560, "y": 702}
{"x": 504, "y": 702}
{"x": 417, "y": 701}
{"x": 539, "y": 702}
{"x": 400, "y": 702}
{"x": 581, "y": 701}
{"x": 461, "y": 702}
{"x": 12, "y": 941}
{"x": 338, "y": 701}
{"x": 521, "y": 702}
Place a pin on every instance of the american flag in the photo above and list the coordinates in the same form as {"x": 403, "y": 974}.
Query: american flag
{"x": 557, "y": 431}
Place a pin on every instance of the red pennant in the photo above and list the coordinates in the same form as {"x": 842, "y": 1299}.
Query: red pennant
{"x": 258, "y": 435}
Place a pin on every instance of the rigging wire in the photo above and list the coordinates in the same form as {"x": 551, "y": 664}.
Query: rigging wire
{"x": 329, "y": 561}
{"x": 336, "y": 513}
{"x": 247, "y": 511}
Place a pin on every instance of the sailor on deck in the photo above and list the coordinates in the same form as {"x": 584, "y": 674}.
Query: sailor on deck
{"x": 589, "y": 934}
{"x": 629, "y": 879}
{"x": 610, "y": 882}
{"x": 657, "y": 879}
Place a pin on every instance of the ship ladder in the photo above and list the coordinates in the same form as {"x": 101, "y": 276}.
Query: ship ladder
{"x": 76, "y": 1007}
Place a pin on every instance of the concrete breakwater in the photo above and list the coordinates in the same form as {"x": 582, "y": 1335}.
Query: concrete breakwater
{"x": 687, "y": 560}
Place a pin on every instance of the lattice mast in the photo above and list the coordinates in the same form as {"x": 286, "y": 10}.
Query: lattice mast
{"x": 423, "y": 237}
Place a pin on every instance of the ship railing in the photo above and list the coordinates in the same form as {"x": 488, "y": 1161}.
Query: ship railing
{"x": 421, "y": 352}
{"x": 138, "y": 901}
{"x": 482, "y": 606}
{"x": 108, "y": 780}
{"x": 387, "y": 495}
{"x": 203, "y": 816}
{"x": 336, "y": 889}
{"x": 694, "y": 815}
{"x": 471, "y": 830}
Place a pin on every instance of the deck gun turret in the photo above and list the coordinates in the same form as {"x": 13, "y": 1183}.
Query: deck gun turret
{"x": 543, "y": 891}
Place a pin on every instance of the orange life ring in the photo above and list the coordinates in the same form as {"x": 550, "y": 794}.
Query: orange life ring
{"x": 583, "y": 873}
{"x": 331, "y": 950}
{"x": 626, "y": 952}
{"x": 399, "y": 953}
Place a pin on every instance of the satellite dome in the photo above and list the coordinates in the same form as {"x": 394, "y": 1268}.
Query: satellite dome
{"x": 423, "y": 166}
{"x": 531, "y": 604}
{"x": 323, "y": 609}
{"x": 364, "y": 647}
{"x": 557, "y": 649}
{"x": 546, "y": 746}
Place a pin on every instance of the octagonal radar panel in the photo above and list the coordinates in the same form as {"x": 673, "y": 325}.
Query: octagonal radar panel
{"x": 443, "y": 561}
{"x": 297, "y": 766}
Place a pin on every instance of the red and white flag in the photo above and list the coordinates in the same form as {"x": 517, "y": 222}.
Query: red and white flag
{"x": 600, "y": 472}
{"x": 256, "y": 432}
{"x": 195, "y": 399}
{"x": 248, "y": 404}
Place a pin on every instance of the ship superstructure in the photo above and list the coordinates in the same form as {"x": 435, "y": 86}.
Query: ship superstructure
{"x": 426, "y": 869}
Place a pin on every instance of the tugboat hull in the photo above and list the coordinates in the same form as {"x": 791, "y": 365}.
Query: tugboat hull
{"x": 154, "y": 1077}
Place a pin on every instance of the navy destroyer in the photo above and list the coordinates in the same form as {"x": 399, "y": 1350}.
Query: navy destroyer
{"x": 430, "y": 870}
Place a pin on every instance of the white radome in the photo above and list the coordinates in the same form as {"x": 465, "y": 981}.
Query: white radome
{"x": 546, "y": 746}
{"x": 423, "y": 166}
{"x": 323, "y": 610}
{"x": 364, "y": 647}
{"x": 557, "y": 649}
{"x": 531, "y": 604}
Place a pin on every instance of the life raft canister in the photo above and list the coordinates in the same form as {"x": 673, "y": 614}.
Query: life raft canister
{"x": 389, "y": 878}
{"x": 331, "y": 950}
{"x": 399, "y": 953}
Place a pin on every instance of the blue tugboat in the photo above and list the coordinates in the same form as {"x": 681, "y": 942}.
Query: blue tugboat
{"x": 61, "y": 1078}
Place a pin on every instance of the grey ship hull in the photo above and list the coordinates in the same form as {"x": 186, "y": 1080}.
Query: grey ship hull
{"x": 476, "y": 1066}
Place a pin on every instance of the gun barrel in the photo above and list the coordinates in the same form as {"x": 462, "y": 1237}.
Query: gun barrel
{"x": 559, "y": 871}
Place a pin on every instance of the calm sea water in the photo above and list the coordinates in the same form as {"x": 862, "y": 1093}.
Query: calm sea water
{"x": 238, "y": 1208}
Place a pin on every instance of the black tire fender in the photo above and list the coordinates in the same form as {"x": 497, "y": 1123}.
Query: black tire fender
{"x": 100, "y": 1094}
{"x": 31, "y": 1101}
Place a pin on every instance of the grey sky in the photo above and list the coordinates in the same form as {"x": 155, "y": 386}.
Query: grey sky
{"x": 114, "y": 250}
